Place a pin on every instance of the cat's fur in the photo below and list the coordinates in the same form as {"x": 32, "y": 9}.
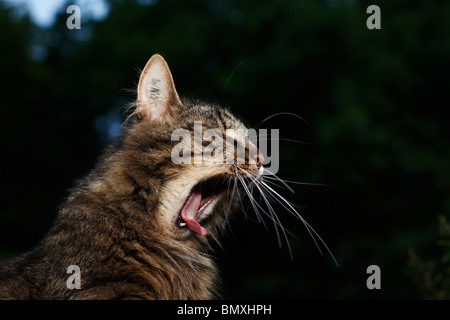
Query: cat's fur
{"x": 119, "y": 223}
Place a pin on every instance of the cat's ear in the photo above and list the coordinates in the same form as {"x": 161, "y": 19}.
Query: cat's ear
{"x": 156, "y": 91}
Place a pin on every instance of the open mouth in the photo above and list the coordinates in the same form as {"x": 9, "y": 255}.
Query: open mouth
{"x": 200, "y": 197}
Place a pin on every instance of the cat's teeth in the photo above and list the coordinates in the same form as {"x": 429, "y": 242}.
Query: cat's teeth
{"x": 182, "y": 224}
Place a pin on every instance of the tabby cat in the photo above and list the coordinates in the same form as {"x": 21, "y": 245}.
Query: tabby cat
{"x": 138, "y": 225}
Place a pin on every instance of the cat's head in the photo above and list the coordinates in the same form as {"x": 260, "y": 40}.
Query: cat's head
{"x": 191, "y": 156}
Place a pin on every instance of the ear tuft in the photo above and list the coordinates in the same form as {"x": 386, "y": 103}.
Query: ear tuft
{"x": 156, "y": 91}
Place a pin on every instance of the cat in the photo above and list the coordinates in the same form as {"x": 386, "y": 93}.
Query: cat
{"x": 138, "y": 225}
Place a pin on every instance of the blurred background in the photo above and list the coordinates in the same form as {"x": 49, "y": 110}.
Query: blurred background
{"x": 372, "y": 150}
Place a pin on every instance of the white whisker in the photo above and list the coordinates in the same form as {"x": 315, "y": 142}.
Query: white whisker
{"x": 307, "y": 225}
{"x": 295, "y": 182}
{"x": 252, "y": 201}
{"x": 268, "y": 194}
{"x": 282, "y": 181}
{"x": 272, "y": 215}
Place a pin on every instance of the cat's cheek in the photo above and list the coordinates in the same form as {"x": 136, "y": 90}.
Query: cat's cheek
{"x": 261, "y": 171}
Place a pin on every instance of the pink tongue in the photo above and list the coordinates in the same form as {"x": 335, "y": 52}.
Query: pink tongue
{"x": 190, "y": 210}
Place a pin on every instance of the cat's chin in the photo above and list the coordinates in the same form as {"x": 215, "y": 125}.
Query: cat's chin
{"x": 201, "y": 204}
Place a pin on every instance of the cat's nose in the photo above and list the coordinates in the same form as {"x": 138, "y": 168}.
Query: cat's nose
{"x": 254, "y": 156}
{"x": 259, "y": 159}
